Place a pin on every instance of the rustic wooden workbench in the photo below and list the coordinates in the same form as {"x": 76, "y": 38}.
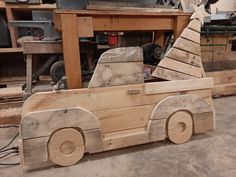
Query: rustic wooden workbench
{"x": 34, "y": 48}
{"x": 82, "y": 23}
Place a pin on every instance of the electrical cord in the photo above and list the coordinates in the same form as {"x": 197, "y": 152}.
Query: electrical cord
{"x": 12, "y": 149}
{"x": 16, "y": 148}
{"x": 9, "y": 164}
{"x": 13, "y": 152}
{"x": 9, "y": 126}
{"x": 10, "y": 142}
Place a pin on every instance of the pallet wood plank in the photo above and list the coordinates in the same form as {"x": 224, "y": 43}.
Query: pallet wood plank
{"x": 71, "y": 54}
{"x": 223, "y": 77}
{"x": 203, "y": 122}
{"x": 185, "y": 57}
{"x": 157, "y": 129}
{"x": 125, "y": 139}
{"x": 124, "y": 118}
{"x": 114, "y": 74}
{"x": 187, "y": 46}
{"x": 191, "y": 35}
{"x": 93, "y": 143}
{"x": 35, "y": 150}
{"x": 173, "y": 86}
{"x": 32, "y": 126}
{"x": 88, "y": 98}
{"x": 180, "y": 67}
{"x": 195, "y": 25}
{"x": 121, "y": 55}
{"x": 168, "y": 74}
{"x": 188, "y": 102}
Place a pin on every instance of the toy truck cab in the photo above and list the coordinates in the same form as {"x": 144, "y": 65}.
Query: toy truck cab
{"x": 118, "y": 109}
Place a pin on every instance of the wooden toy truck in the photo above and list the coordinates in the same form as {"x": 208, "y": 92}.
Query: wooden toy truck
{"x": 118, "y": 109}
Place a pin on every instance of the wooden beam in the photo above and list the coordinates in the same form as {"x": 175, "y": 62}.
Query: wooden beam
{"x": 173, "y": 86}
{"x": 42, "y": 47}
{"x": 88, "y": 98}
{"x": 71, "y": 50}
{"x": 180, "y": 24}
{"x": 185, "y": 57}
{"x": 181, "y": 67}
{"x": 129, "y": 23}
{"x": 113, "y": 74}
{"x": 168, "y": 74}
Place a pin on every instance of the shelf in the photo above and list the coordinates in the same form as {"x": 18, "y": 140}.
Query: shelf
{"x": 3, "y": 5}
{"x": 11, "y": 50}
{"x": 31, "y": 6}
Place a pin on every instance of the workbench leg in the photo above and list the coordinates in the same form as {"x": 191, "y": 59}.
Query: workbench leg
{"x": 159, "y": 38}
{"x": 71, "y": 50}
{"x": 12, "y": 30}
{"x": 29, "y": 61}
{"x": 180, "y": 24}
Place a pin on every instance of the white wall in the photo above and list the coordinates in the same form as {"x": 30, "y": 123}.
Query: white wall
{"x": 223, "y": 5}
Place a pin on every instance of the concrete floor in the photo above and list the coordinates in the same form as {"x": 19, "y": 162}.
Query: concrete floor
{"x": 207, "y": 155}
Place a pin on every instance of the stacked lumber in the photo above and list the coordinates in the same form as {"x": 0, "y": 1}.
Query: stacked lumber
{"x": 225, "y": 82}
{"x": 183, "y": 61}
{"x": 11, "y": 100}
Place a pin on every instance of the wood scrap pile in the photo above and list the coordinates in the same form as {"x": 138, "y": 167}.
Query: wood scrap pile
{"x": 11, "y": 100}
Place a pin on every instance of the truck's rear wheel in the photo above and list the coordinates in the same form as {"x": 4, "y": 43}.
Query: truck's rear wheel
{"x": 180, "y": 127}
{"x": 66, "y": 147}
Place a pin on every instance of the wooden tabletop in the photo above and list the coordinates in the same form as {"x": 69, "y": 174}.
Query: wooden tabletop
{"x": 141, "y": 12}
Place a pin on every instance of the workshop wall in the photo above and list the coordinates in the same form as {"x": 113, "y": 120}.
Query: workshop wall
{"x": 223, "y": 5}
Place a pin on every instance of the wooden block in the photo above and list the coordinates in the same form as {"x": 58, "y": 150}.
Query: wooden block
{"x": 181, "y": 67}
{"x": 195, "y": 25}
{"x": 185, "y": 57}
{"x": 34, "y": 150}
{"x": 85, "y": 26}
{"x": 187, "y": 46}
{"x": 113, "y": 74}
{"x": 192, "y": 103}
{"x": 157, "y": 129}
{"x": 223, "y": 77}
{"x": 191, "y": 35}
{"x": 93, "y": 141}
{"x": 126, "y": 138}
{"x": 42, "y": 47}
{"x": 168, "y": 74}
{"x": 203, "y": 122}
{"x": 224, "y": 89}
{"x": 33, "y": 126}
{"x": 175, "y": 86}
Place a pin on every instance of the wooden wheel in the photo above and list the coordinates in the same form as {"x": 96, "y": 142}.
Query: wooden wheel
{"x": 180, "y": 127}
{"x": 66, "y": 147}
